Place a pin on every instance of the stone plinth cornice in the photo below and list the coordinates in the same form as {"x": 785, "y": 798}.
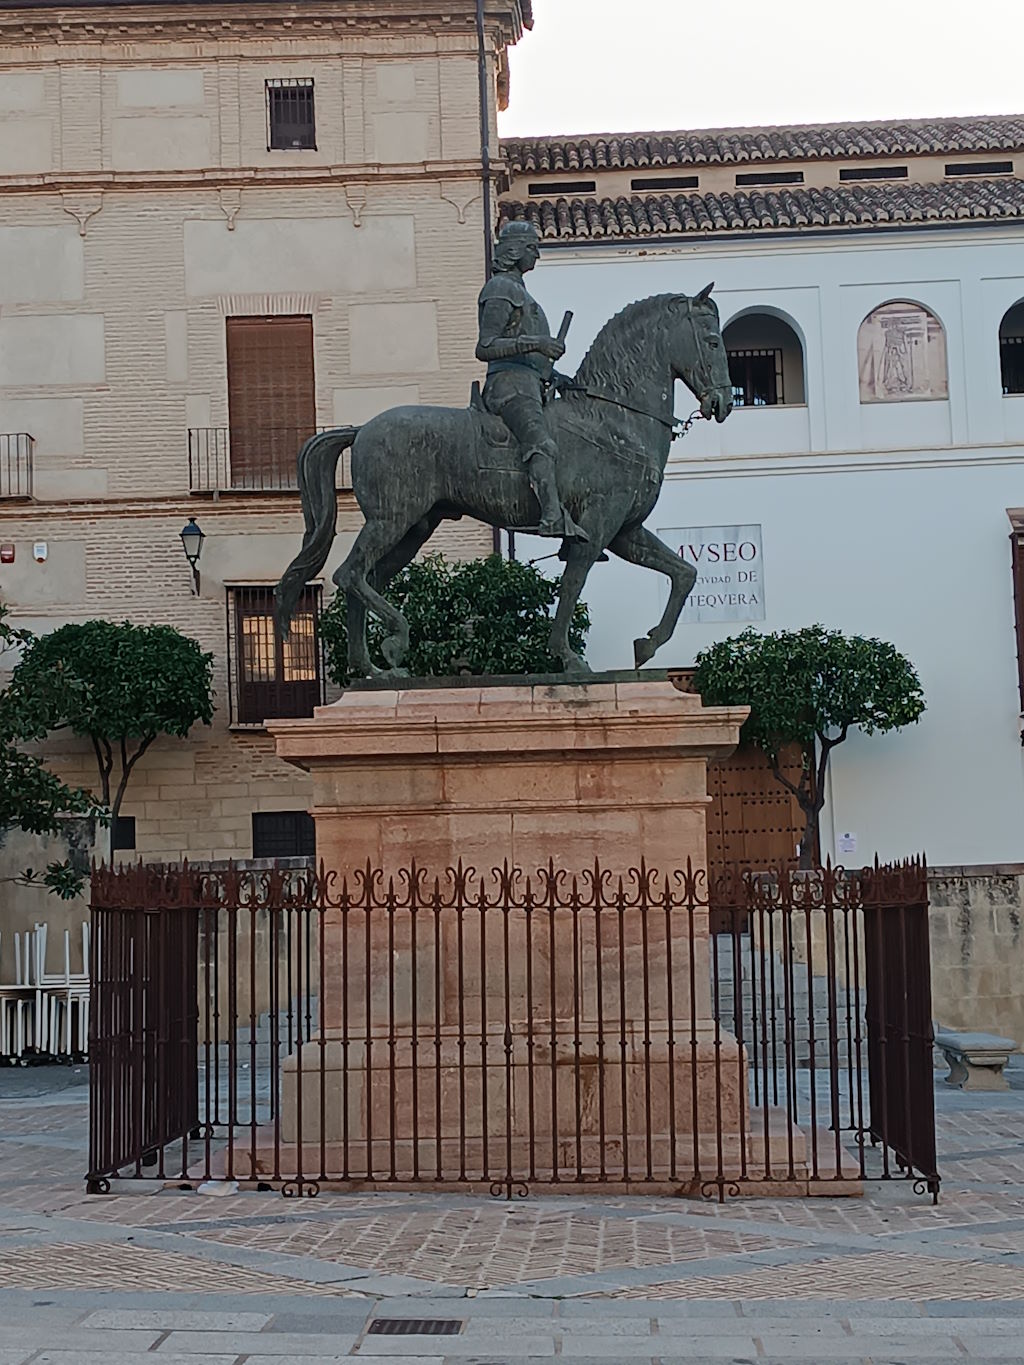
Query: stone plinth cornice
{"x": 511, "y": 725}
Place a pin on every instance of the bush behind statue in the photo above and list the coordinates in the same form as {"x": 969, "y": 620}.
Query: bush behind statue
{"x": 478, "y": 616}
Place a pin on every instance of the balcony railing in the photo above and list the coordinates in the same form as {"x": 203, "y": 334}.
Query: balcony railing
{"x": 261, "y": 460}
{"x": 16, "y": 465}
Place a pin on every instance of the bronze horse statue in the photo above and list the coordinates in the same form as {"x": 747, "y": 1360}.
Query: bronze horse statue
{"x": 414, "y": 467}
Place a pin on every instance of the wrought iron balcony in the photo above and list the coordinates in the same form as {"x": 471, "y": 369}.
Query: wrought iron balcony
{"x": 245, "y": 460}
{"x": 16, "y": 465}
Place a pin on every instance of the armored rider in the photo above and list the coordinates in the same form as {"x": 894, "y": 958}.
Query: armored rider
{"x": 516, "y": 342}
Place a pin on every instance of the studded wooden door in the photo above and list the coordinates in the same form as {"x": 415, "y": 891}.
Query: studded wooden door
{"x": 752, "y": 820}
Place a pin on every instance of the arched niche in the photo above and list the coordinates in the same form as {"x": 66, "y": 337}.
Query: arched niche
{"x": 1011, "y": 349}
{"x": 766, "y": 360}
{"x": 901, "y": 354}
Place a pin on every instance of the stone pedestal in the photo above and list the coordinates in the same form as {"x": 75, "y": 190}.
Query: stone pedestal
{"x": 613, "y": 771}
{"x": 608, "y": 772}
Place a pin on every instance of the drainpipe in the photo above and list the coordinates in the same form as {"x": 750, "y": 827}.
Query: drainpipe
{"x": 484, "y": 73}
{"x": 484, "y": 70}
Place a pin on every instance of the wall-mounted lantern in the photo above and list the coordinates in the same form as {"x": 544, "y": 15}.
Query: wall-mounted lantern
{"x": 192, "y": 539}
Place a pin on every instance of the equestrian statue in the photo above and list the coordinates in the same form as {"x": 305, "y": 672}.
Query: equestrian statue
{"x": 580, "y": 459}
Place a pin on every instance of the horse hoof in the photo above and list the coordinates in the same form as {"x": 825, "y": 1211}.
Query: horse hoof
{"x": 644, "y": 650}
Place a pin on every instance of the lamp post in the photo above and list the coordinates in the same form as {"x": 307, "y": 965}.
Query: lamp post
{"x": 192, "y": 540}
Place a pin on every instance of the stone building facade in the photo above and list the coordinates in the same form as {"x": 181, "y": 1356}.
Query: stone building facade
{"x": 222, "y": 226}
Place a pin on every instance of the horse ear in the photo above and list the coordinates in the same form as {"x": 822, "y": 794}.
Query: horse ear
{"x": 704, "y": 294}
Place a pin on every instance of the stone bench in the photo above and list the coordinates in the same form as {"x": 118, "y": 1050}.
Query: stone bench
{"x": 976, "y": 1060}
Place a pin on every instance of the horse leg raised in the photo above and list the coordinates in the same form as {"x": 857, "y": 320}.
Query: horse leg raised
{"x": 640, "y": 546}
{"x": 581, "y": 556}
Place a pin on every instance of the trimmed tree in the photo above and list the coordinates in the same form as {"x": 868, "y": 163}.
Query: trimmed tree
{"x": 126, "y": 686}
{"x": 475, "y": 616}
{"x": 32, "y": 798}
{"x": 809, "y": 687}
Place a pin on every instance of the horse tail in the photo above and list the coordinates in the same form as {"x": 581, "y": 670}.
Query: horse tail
{"x": 318, "y": 464}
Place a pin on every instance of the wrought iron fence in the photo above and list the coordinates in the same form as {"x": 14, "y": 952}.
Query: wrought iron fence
{"x": 242, "y": 459}
{"x": 16, "y": 450}
{"x": 297, "y": 1029}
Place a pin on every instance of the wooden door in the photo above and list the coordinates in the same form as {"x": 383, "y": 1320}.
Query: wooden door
{"x": 753, "y": 821}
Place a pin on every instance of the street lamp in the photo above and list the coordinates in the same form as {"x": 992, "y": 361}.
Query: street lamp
{"x": 192, "y": 539}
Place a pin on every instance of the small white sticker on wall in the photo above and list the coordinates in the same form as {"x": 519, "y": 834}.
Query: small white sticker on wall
{"x": 40, "y": 551}
{"x": 846, "y": 844}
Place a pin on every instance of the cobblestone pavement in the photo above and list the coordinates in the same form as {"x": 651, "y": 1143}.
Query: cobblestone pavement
{"x": 165, "y": 1276}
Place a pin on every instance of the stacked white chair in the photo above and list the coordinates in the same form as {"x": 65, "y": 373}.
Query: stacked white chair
{"x": 17, "y": 1001}
{"x": 62, "y": 998}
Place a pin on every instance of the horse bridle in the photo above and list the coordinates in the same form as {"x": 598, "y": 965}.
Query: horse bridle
{"x": 678, "y": 426}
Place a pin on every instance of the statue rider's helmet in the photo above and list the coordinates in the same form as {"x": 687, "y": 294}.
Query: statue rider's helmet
{"x": 514, "y": 236}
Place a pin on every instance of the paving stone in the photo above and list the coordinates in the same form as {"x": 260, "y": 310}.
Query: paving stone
{"x": 984, "y": 1325}
{"x": 611, "y": 1347}
{"x": 818, "y": 1348}
{"x": 124, "y": 1358}
{"x": 512, "y": 1346}
{"x": 342, "y": 1320}
{"x": 328, "y": 1360}
{"x": 41, "y": 1336}
{"x": 266, "y": 1343}
{"x": 167, "y": 1320}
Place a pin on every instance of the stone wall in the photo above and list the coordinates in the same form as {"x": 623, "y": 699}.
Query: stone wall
{"x": 977, "y": 942}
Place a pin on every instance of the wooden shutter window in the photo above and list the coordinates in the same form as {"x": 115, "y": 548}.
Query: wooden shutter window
{"x": 271, "y": 399}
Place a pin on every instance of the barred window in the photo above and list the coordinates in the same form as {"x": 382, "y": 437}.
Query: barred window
{"x": 756, "y": 377}
{"x": 1011, "y": 349}
{"x": 283, "y": 834}
{"x": 272, "y": 678}
{"x": 766, "y": 361}
{"x": 291, "y": 119}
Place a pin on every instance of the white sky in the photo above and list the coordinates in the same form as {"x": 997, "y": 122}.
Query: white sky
{"x": 633, "y": 65}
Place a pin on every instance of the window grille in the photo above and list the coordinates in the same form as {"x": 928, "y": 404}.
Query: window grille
{"x": 544, "y": 188}
{"x": 291, "y": 121}
{"x": 665, "y": 182}
{"x": 1011, "y": 363}
{"x": 770, "y": 178}
{"x": 979, "y": 168}
{"x": 756, "y": 378}
{"x": 283, "y": 834}
{"x": 272, "y": 678}
{"x": 873, "y": 173}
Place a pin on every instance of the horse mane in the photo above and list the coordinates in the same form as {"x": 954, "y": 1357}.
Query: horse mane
{"x": 621, "y": 348}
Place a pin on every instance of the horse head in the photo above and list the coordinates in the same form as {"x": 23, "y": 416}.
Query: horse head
{"x": 698, "y": 353}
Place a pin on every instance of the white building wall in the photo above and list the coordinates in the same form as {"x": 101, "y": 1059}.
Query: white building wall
{"x": 884, "y": 519}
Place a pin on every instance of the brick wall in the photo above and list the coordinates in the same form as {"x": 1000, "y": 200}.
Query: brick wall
{"x": 141, "y": 210}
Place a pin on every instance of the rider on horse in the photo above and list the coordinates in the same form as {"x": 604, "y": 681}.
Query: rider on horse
{"x": 516, "y": 342}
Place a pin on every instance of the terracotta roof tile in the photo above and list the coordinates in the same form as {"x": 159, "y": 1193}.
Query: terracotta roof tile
{"x": 757, "y": 210}
{"x": 611, "y": 151}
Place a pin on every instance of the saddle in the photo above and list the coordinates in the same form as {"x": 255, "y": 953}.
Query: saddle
{"x": 493, "y": 433}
